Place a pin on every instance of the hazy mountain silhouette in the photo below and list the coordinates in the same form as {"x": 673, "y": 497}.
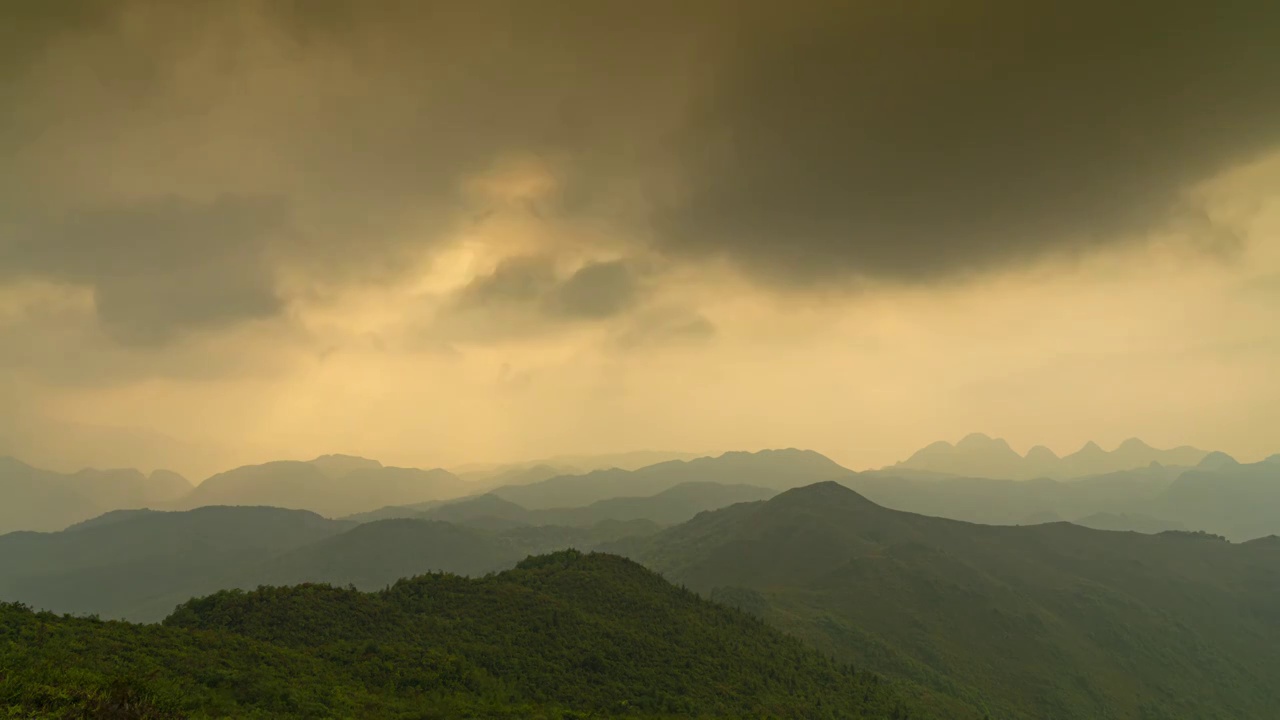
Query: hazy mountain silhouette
{"x": 1129, "y": 522}
{"x": 999, "y": 614}
{"x": 530, "y": 471}
{"x": 1219, "y": 495}
{"x": 34, "y": 499}
{"x": 490, "y": 511}
{"x": 330, "y": 485}
{"x": 518, "y": 475}
{"x": 773, "y": 469}
{"x": 1239, "y": 501}
{"x": 1014, "y": 502}
{"x": 336, "y": 466}
{"x": 1217, "y": 460}
{"x": 978, "y": 455}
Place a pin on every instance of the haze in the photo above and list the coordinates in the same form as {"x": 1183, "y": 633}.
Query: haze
{"x": 436, "y": 233}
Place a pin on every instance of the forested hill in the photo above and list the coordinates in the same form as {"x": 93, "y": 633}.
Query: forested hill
{"x": 561, "y": 635}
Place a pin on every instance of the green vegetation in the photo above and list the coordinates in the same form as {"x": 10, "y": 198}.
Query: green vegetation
{"x": 563, "y": 635}
{"x": 1044, "y": 621}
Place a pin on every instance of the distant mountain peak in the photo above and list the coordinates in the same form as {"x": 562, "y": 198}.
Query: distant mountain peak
{"x": 1134, "y": 443}
{"x": 1091, "y": 448}
{"x": 1040, "y": 452}
{"x": 980, "y": 441}
{"x": 343, "y": 456}
{"x": 1217, "y": 459}
{"x": 825, "y": 493}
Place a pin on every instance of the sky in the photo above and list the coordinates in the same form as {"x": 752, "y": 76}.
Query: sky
{"x": 438, "y": 232}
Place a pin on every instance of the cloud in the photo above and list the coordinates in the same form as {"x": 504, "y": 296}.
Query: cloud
{"x": 665, "y": 327}
{"x": 531, "y": 295}
{"x": 204, "y": 167}
{"x": 157, "y": 268}
{"x": 596, "y": 291}
{"x": 913, "y": 141}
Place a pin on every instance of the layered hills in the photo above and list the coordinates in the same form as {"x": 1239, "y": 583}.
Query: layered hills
{"x": 560, "y": 636}
{"x": 668, "y": 507}
{"x": 1052, "y": 620}
{"x": 139, "y": 565}
{"x": 772, "y": 469}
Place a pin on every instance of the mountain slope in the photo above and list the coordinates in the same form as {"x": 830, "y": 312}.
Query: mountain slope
{"x": 1052, "y": 620}
{"x": 1240, "y": 501}
{"x": 593, "y": 635}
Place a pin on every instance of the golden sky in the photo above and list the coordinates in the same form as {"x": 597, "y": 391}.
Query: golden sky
{"x": 437, "y": 232}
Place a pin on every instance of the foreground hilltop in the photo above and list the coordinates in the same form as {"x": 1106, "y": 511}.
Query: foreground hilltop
{"x": 562, "y": 635}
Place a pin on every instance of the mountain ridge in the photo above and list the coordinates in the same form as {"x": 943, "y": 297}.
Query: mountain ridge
{"x": 998, "y": 614}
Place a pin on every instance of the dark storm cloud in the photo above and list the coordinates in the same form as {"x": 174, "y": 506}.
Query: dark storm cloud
{"x": 528, "y": 295}
{"x": 664, "y": 327}
{"x": 524, "y": 280}
{"x": 158, "y": 268}
{"x": 914, "y": 140}
{"x": 596, "y": 291}
{"x": 806, "y": 142}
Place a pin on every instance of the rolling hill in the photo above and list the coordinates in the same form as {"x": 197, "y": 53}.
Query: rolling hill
{"x": 1050, "y": 620}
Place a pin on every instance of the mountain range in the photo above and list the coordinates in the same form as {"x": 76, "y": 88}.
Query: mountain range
{"x": 1052, "y": 620}
{"x": 1219, "y": 495}
{"x": 977, "y": 455}
{"x": 771, "y": 469}
{"x": 668, "y": 507}
{"x": 138, "y": 565}
{"x": 1025, "y": 616}
{"x": 332, "y": 485}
